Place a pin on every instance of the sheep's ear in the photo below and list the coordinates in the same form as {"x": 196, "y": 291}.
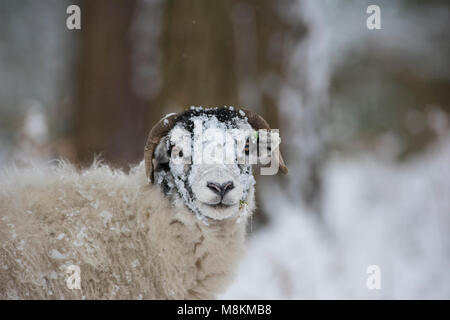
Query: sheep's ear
{"x": 257, "y": 122}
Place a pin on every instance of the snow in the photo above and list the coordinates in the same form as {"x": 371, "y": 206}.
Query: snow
{"x": 80, "y": 237}
{"x": 55, "y": 254}
{"x": 60, "y": 236}
{"x": 395, "y": 216}
{"x": 106, "y": 217}
{"x": 169, "y": 115}
{"x": 35, "y": 123}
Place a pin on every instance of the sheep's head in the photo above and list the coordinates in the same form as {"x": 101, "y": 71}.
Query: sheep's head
{"x": 203, "y": 157}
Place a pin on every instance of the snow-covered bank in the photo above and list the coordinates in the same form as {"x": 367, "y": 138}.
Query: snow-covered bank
{"x": 396, "y": 216}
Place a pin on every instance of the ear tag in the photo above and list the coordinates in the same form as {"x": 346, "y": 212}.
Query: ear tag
{"x": 255, "y": 135}
{"x": 242, "y": 204}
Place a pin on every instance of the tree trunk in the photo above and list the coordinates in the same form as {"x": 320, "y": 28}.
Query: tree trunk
{"x": 109, "y": 118}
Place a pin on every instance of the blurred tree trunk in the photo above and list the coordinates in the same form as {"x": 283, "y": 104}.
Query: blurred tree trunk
{"x": 109, "y": 118}
{"x": 197, "y": 47}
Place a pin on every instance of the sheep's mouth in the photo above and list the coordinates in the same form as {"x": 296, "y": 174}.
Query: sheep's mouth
{"x": 218, "y": 211}
{"x": 219, "y": 206}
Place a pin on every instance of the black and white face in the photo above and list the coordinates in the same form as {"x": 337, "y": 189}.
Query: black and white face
{"x": 202, "y": 162}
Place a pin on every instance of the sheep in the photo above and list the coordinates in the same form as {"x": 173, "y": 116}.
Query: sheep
{"x": 165, "y": 230}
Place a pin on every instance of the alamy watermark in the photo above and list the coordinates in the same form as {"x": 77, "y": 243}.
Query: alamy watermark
{"x": 373, "y": 22}
{"x": 373, "y": 281}
{"x": 231, "y": 146}
{"x": 73, "y": 280}
{"x": 73, "y": 21}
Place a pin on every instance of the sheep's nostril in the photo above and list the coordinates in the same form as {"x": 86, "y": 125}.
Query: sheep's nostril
{"x": 221, "y": 189}
{"x": 215, "y": 187}
{"x": 227, "y": 186}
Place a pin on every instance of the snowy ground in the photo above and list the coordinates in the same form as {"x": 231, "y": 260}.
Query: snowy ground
{"x": 396, "y": 216}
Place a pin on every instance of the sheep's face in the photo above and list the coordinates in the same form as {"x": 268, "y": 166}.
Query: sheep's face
{"x": 202, "y": 162}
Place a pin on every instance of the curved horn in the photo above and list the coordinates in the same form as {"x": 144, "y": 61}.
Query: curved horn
{"x": 156, "y": 133}
{"x": 258, "y": 122}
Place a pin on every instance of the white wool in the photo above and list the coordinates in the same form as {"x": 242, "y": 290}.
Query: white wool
{"x": 127, "y": 239}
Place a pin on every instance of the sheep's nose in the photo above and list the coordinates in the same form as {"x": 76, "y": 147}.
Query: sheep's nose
{"x": 220, "y": 189}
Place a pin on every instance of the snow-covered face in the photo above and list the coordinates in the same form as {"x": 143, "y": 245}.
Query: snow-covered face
{"x": 202, "y": 162}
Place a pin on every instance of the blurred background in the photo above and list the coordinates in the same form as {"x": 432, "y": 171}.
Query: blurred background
{"x": 363, "y": 115}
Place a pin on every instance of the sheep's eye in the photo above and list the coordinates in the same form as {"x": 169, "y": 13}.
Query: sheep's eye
{"x": 177, "y": 152}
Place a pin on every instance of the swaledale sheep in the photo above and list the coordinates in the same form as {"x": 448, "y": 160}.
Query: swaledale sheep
{"x": 166, "y": 230}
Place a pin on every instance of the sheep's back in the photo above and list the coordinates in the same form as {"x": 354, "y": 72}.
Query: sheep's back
{"x": 54, "y": 217}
